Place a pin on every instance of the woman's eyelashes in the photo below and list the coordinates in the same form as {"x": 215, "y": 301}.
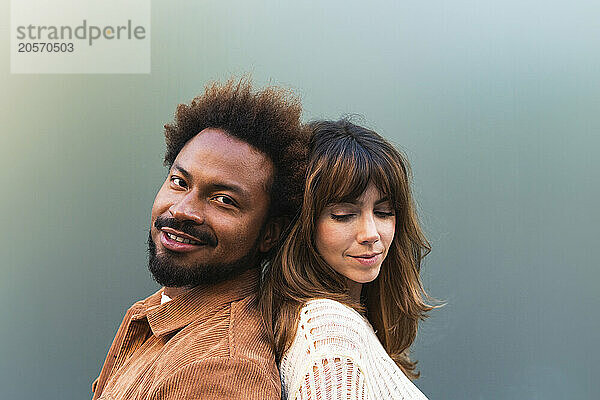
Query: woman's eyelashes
{"x": 339, "y": 216}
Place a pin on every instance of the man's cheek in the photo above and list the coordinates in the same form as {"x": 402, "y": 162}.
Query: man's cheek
{"x": 240, "y": 241}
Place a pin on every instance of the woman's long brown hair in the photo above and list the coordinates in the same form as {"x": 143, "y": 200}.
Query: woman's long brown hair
{"x": 344, "y": 159}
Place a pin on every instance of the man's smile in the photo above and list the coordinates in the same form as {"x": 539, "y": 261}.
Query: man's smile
{"x": 180, "y": 236}
{"x": 178, "y": 241}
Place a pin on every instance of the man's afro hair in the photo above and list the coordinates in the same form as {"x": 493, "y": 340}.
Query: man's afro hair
{"x": 269, "y": 120}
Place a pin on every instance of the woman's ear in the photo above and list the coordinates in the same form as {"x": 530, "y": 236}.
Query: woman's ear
{"x": 271, "y": 233}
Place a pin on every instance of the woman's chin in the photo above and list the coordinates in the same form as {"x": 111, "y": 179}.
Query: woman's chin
{"x": 364, "y": 276}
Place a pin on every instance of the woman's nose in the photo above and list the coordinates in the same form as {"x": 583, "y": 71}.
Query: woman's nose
{"x": 367, "y": 230}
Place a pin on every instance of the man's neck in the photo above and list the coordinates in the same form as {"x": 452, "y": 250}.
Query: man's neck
{"x": 173, "y": 292}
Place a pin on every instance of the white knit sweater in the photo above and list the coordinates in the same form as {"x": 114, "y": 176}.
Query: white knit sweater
{"x": 336, "y": 355}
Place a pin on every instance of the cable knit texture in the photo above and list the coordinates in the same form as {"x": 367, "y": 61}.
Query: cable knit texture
{"x": 336, "y": 355}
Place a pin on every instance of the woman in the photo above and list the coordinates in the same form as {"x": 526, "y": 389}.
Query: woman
{"x": 343, "y": 293}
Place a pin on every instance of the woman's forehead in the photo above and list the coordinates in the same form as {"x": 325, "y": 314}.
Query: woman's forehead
{"x": 359, "y": 195}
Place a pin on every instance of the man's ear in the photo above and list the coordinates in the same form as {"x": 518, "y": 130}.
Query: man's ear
{"x": 272, "y": 233}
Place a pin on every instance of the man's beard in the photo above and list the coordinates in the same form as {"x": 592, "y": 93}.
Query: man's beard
{"x": 167, "y": 272}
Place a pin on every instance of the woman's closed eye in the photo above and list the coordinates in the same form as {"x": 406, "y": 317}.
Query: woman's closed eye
{"x": 341, "y": 217}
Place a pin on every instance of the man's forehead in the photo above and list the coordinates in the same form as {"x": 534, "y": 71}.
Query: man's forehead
{"x": 214, "y": 153}
{"x": 222, "y": 143}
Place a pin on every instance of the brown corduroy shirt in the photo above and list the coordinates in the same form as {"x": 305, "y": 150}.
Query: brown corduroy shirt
{"x": 207, "y": 343}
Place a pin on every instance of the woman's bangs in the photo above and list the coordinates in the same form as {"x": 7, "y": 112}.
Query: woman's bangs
{"x": 386, "y": 178}
{"x": 348, "y": 177}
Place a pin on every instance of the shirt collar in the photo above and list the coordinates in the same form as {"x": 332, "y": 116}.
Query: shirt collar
{"x": 198, "y": 303}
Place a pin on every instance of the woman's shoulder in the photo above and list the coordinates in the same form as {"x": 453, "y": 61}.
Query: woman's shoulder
{"x": 328, "y": 333}
{"x": 329, "y": 326}
{"x": 335, "y": 347}
{"x": 319, "y": 312}
{"x": 324, "y": 306}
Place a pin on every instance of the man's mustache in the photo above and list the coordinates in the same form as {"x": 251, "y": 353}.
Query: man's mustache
{"x": 200, "y": 232}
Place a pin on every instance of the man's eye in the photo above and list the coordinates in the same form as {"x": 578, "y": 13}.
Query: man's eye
{"x": 225, "y": 200}
{"x": 178, "y": 181}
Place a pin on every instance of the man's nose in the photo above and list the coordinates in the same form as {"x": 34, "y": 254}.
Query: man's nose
{"x": 188, "y": 208}
{"x": 367, "y": 230}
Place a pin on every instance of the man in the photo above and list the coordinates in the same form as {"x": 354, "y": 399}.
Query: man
{"x": 236, "y": 162}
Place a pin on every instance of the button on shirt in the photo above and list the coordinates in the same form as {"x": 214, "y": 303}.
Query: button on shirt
{"x": 207, "y": 343}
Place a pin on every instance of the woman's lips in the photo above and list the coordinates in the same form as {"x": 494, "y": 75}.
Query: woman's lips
{"x": 368, "y": 259}
{"x": 177, "y": 241}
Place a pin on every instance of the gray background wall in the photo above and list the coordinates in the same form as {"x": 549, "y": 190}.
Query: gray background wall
{"x": 496, "y": 103}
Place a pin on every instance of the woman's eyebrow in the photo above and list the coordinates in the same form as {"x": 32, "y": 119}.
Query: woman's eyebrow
{"x": 382, "y": 200}
{"x": 357, "y": 202}
{"x": 343, "y": 203}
